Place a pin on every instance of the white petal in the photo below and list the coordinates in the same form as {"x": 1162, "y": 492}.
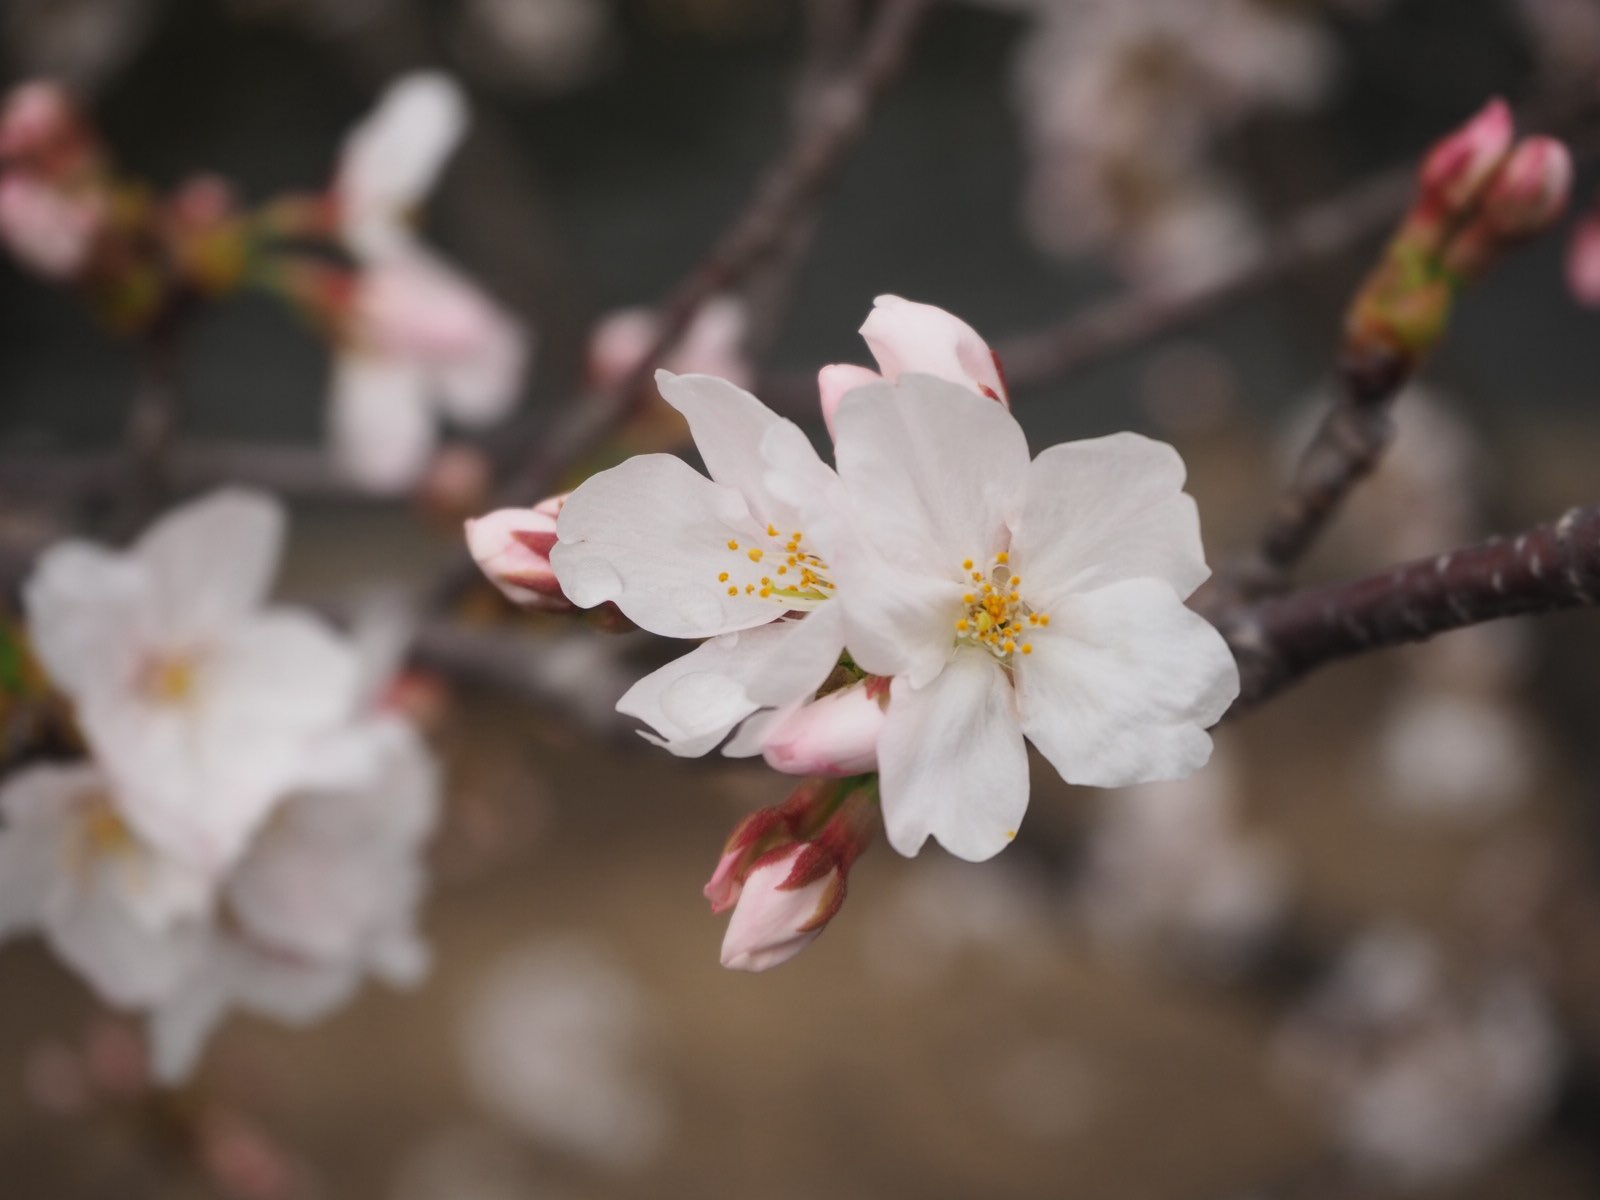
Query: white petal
{"x": 898, "y": 622}
{"x": 182, "y": 1023}
{"x": 38, "y": 803}
{"x": 212, "y": 561}
{"x": 390, "y": 160}
{"x": 480, "y": 388}
{"x": 910, "y": 338}
{"x": 382, "y": 423}
{"x": 952, "y": 761}
{"x": 934, "y": 471}
{"x": 652, "y": 535}
{"x": 1103, "y": 510}
{"x": 694, "y": 702}
{"x": 88, "y": 613}
{"x": 1123, "y": 684}
{"x": 835, "y": 382}
{"x": 728, "y": 425}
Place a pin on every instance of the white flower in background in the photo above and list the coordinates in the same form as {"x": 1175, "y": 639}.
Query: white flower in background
{"x": 725, "y": 558}
{"x": 1011, "y": 599}
{"x": 714, "y": 343}
{"x": 536, "y": 45}
{"x": 907, "y": 338}
{"x": 1427, "y": 1078}
{"x": 200, "y": 706}
{"x": 1453, "y": 755}
{"x": 1169, "y": 870}
{"x": 420, "y": 342}
{"x": 420, "y": 339}
{"x": 127, "y": 917}
{"x": 391, "y": 160}
{"x": 550, "y": 1041}
{"x": 326, "y": 895}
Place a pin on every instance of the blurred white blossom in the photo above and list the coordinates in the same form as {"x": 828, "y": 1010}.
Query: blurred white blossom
{"x": 550, "y": 1042}
{"x": 1426, "y": 1076}
{"x": 541, "y": 46}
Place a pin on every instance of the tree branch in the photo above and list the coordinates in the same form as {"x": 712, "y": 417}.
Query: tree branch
{"x": 1551, "y": 567}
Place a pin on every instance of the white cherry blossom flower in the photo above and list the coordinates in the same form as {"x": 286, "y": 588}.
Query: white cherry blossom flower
{"x": 421, "y": 341}
{"x": 910, "y": 338}
{"x": 326, "y": 895}
{"x": 1012, "y": 599}
{"x": 725, "y": 558}
{"x": 200, "y": 706}
{"x": 128, "y": 918}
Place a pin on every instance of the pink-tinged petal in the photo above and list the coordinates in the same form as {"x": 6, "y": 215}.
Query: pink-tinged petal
{"x": 211, "y": 562}
{"x": 908, "y": 338}
{"x": 51, "y": 230}
{"x": 772, "y": 923}
{"x": 88, "y": 612}
{"x": 1459, "y": 167}
{"x": 1103, "y": 510}
{"x": 728, "y": 425}
{"x": 952, "y": 761}
{"x": 834, "y": 736}
{"x": 382, "y": 423}
{"x": 939, "y": 470}
{"x": 837, "y": 381}
{"x": 391, "y": 159}
{"x": 694, "y": 702}
{"x": 1122, "y": 685}
{"x": 1531, "y": 191}
{"x": 652, "y": 535}
{"x": 1583, "y": 261}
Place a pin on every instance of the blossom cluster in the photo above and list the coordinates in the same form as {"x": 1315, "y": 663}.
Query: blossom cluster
{"x": 246, "y": 830}
{"x": 412, "y": 337}
{"x": 902, "y": 622}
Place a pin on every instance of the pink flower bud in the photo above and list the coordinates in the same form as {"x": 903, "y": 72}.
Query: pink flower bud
{"x": 907, "y": 338}
{"x": 835, "y": 736}
{"x": 1583, "y": 261}
{"x": 1531, "y": 191}
{"x": 781, "y": 910}
{"x": 38, "y": 124}
{"x": 50, "y": 230}
{"x": 1458, "y": 168}
{"x": 512, "y": 547}
{"x": 714, "y": 343}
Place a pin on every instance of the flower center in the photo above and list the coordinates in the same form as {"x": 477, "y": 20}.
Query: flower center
{"x": 995, "y": 617}
{"x": 783, "y": 571}
{"x": 169, "y": 679}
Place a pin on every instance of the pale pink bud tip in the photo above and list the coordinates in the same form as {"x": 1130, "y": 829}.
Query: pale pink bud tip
{"x": 34, "y": 115}
{"x": 1583, "y": 261}
{"x": 1532, "y": 190}
{"x": 774, "y": 920}
{"x": 835, "y": 736}
{"x": 512, "y": 547}
{"x": 1459, "y": 166}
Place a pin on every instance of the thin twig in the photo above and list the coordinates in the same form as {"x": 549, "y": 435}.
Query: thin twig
{"x": 152, "y": 427}
{"x": 1549, "y": 568}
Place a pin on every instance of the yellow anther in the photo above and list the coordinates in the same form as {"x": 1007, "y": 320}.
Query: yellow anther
{"x": 783, "y": 570}
{"x": 1009, "y": 647}
{"x": 969, "y": 598}
{"x": 966, "y": 564}
{"x": 723, "y": 578}
{"x": 963, "y": 625}
{"x": 766, "y": 580}
{"x": 732, "y": 545}
{"x": 772, "y": 531}
{"x": 1044, "y": 618}
{"x": 977, "y": 577}
{"x": 734, "y": 590}
{"x": 749, "y": 588}
{"x": 757, "y": 555}
{"x": 1002, "y": 557}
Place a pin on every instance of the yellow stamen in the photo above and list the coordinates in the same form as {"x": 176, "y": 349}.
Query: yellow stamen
{"x": 723, "y": 578}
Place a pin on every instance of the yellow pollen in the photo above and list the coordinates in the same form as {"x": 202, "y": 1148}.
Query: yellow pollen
{"x": 963, "y": 625}
{"x": 1002, "y": 557}
{"x": 1044, "y": 618}
{"x": 1027, "y": 647}
{"x": 969, "y": 598}
{"x": 772, "y": 531}
{"x": 783, "y": 570}
{"x": 734, "y": 590}
{"x": 977, "y": 577}
{"x": 168, "y": 680}
{"x": 723, "y": 578}
{"x": 732, "y": 545}
{"x": 966, "y": 565}
{"x": 757, "y": 555}
{"x": 1009, "y": 646}
{"x": 749, "y": 588}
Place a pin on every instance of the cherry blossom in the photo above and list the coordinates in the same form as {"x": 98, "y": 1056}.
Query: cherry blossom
{"x": 725, "y": 558}
{"x": 1010, "y": 599}
{"x": 512, "y": 547}
{"x": 128, "y": 917}
{"x": 326, "y": 895}
{"x": 199, "y": 704}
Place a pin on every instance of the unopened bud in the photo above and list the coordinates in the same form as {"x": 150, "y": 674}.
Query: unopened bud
{"x": 1583, "y": 261}
{"x": 782, "y": 909}
{"x": 1460, "y": 166}
{"x": 784, "y": 872}
{"x": 1531, "y": 191}
{"x": 512, "y": 547}
{"x": 40, "y": 128}
{"x": 835, "y": 736}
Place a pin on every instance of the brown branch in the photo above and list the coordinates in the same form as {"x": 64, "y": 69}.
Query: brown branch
{"x": 1551, "y": 567}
